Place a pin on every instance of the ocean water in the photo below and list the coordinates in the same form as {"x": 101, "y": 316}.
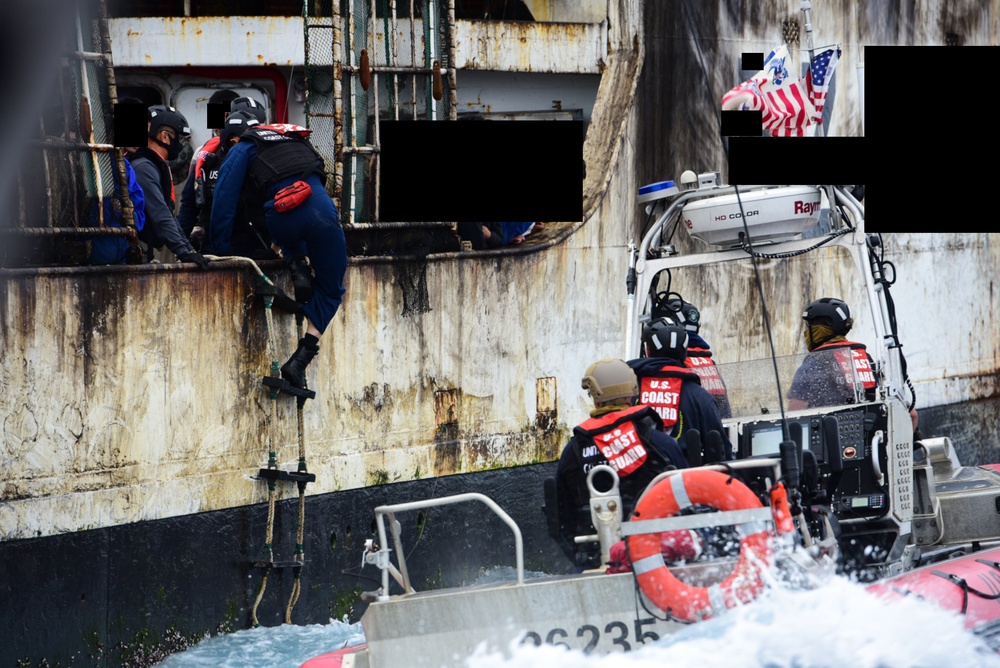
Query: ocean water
{"x": 837, "y": 625}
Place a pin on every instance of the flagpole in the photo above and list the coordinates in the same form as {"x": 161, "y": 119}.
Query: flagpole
{"x": 860, "y": 67}
{"x": 806, "y": 8}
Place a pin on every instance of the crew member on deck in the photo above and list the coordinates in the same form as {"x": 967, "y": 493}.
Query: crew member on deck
{"x": 187, "y": 215}
{"x": 836, "y": 371}
{"x": 167, "y": 128}
{"x": 280, "y": 170}
{"x": 248, "y": 239}
{"x": 625, "y": 437}
{"x": 699, "y": 355}
{"x": 671, "y": 388}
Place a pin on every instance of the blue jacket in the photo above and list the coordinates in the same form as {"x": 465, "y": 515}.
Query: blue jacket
{"x": 113, "y": 250}
{"x": 697, "y": 407}
{"x": 312, "y": 229}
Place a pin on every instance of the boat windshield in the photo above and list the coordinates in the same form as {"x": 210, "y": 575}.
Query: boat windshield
{"x": 730, "y": 323}
{"x": 822, "y": 378}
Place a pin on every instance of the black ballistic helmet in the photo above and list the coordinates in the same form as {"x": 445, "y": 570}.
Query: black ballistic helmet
{"x": 237, "y": 123}
{"x": 687, "y": 313}
{"x": 160, "y": 115}
{"x": 833, "y": 310}
{"x": 251, "y": 106}
{"x": 664, "y": 338}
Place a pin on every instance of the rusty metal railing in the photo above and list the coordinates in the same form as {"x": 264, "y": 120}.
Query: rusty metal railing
{"x": 365, "y": 49}
{"x": 60, "y": 194}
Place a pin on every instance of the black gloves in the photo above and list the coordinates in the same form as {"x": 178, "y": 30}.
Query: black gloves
{"x": 302, "y": 278}
{"x": 282, "y": 302}
{"x": 197, "y": 258}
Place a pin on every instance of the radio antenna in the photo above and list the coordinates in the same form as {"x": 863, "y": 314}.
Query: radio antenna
{"x": 748, "y": 247}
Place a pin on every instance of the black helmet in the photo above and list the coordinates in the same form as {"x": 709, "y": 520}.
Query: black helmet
{"x": 160, "y": 115}
{"x": 235, "y": 126}
{"x": 833, "y": 310}
{"x": 687, "y": 313}
{"x": 251, "y": 106}
{"x": 223, "y": 96}
{"x": 665, "y": 338}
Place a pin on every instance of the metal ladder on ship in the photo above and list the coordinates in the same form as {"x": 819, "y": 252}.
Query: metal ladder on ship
{"x": 91, "y": 74}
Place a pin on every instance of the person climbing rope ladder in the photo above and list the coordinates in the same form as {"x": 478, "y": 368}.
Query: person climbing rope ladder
{"x": 284, "y": 174}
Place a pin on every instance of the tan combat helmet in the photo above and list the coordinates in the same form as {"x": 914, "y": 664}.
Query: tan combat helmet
{"x": 610, "y": 380}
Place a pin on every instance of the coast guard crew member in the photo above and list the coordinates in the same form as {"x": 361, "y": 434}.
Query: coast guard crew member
{"x": 278, "y": 169}
{"x": 671, "y": 388}
{"x": 627, "y": 438}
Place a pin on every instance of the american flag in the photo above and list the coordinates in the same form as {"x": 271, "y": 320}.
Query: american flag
{"x": 818, "y": 79}
{"x": 788, "y": 104}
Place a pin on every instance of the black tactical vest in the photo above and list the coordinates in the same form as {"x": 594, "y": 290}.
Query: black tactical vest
{"x": 280, "y": 156}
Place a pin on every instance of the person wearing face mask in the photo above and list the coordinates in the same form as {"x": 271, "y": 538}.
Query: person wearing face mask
{"x": 167, "y": 130}
{"x": 836, "y": 371}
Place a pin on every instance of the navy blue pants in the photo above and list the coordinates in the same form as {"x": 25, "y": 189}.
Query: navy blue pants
{"x": 313, "y": 230}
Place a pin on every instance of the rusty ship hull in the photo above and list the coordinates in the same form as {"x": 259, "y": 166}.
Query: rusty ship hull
{"x": 134, "y": 423}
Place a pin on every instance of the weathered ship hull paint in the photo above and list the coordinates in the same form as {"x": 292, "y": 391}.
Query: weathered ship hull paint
{"x": 134, "y": 395}
{"x": 255, "y": 41}
{"x": 132, "y": 420}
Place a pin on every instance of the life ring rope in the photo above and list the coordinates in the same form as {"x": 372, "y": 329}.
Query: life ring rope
{"x": 701, "y": 487}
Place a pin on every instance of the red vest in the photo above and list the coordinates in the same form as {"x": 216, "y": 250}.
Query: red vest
{"x": 210, "y": 147}
{"x": 852, "y": 359}
{"x": 663, "y": 393}
{"x": 617, "y": 440}
{"x": 700, "y": 361}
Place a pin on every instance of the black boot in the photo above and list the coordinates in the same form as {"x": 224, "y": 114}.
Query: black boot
{"x": 294, "y": 370}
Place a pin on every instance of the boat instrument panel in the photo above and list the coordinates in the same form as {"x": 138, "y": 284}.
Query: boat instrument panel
{"x": 841, "y": 453}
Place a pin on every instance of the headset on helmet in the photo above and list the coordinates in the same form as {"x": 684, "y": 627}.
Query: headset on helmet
{"x": 237, "y": 123}
{"x": 687, "y": 313}
{"x": 160, "y": 115}
{"x": 834, "y": 310}
{"x": 665, "y": 338}
{"x": 610, "y": 379}
{"x": 251, "y": 106}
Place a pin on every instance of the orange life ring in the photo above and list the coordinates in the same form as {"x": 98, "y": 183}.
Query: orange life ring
{"x": 684, "y": 601}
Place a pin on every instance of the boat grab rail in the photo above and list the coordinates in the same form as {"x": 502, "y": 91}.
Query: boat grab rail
{"x": 382, "y": 558}
{"x": 734, "y": 465}
{"x": 719, "y": 517}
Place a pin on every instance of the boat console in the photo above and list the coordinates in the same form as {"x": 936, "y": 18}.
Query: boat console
{"x": 842, "y": 451}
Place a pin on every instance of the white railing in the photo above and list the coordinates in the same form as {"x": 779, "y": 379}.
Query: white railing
{"x": 381, "y": 557}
